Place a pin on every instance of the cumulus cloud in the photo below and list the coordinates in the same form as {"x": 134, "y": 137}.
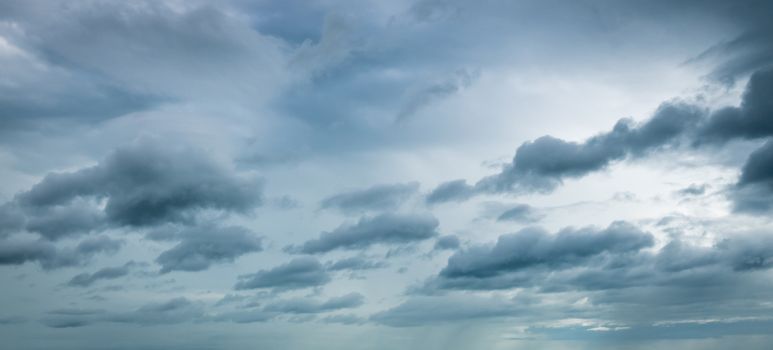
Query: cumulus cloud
{"x": 201, "y": 246}
{"x": 376, "y": 198}
{"x": 381, "y": 229}
{"x": 590, "y": 259}
{"x": 141, "y": 185}
{"x": 543, "y": 164}
{"x": 535, "y": 248}
{"x": 297, "y": 274}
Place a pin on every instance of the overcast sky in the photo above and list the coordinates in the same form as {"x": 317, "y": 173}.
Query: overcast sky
{"x": 432, "y": 174}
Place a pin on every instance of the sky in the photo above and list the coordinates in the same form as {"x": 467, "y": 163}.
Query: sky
{"x": 430, "y": 174}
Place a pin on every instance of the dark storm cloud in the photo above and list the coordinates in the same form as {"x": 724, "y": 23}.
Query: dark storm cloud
{"x": 754, "y": 191}
{"x": 16, "y": 252}
{"x": 543, "y": 164}
{"x": 751, "y": 120}
{"x": 141, "y": 185}
{"x": 297, "y": 274}
{"x": 381, "y": 229}
{"x": 355, "y": 263}
{"x": 376, "y": 198}
{"x": 520, "y": 213}
{"x": 108, "y": 273}
{"x": 306, "y": 306}
{"x": 202, "y": 246}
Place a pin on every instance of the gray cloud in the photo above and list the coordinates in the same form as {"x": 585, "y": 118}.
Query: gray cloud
{"x": 520, "y": 213}
{"x": 754, "y": 191}
{"x": 173, "y": 311}
{"x": 751, "y": 120}
{"x": 420, "y": 311}
{"x": 106, "y": 273}
{"x": 613, "y": 258}
{"x": 439, "y": 90}
{"x": 381, "y": 229}
{"x": 141, "y": 185}
{"x": 306, "y": 306}
{"x": 355, "y": 263}
{"x": 346, "y": 319}
{"x": 449, "y": 242}
{"x": 376, "y": 198}
{"x": 297, "y": 274}
{"x": 693, "y": 190}
{"x": 542, "y": 165}
{"x": 204, "y": 245}
{"x": 534, "y": 248}
{"x": 456, "y": 190}
{"x": 16, "y": 252}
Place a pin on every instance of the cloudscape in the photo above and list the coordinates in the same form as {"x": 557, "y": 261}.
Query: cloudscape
{"x": 428, "y": 174}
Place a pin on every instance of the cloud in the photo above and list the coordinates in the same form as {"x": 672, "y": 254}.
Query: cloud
{"x": 543, "y": 164}
{"x": 345, "y": 319}
{"x": 449, "y": 242}
{"x": 144, "y": 184}
{"x": 751, "y": 120}
{"x": 421, "y": 311}
{"x": 43, "y": 95}
{"x": 693, "y": 190}
{"x": 106, "y": 273}
{"x": 523, "y": 213}
{"x": 380, "y": 229}
{"x": 173, "y": 311}
{"x": 355, "y": 263}
{"x": 535, "y": 248}
{"x": 747, "y": 52}
{"x": 204, "y": 245}
{"x": 376, "y": 198}
{"x": 456, "y": 190}
{"x": 15, "y": 251}
{"x": 462, "y": 79}
{"x": 754, "y": 191}
{"x": 612, "y": 258}
{"x": 297, "y": 274}
{"x": 306, "y": 306}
